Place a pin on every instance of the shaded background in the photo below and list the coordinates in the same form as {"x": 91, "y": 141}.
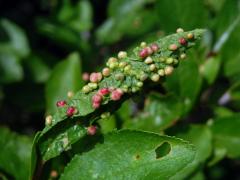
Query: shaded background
{"x": 46, "y": 45}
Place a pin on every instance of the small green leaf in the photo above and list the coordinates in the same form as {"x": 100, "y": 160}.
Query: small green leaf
{"x": 17, "y": 38}
{"x": 186, "y": 82}
{"x": 10, "y": 68}
{"x": 160, "y": 112}
{"x": 210, "y": 69}
{"x": 15, "y": 154}
{"x": 65, "y": 77}
{"x": 226, "y": 135}
{"x": 119, "y": 157}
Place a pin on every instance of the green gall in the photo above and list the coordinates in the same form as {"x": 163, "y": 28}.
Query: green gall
{"x": 119, "y": 76}
{"x": 93, "y": 85}
{"x": 113, "y": 65}
{"x": 161, "y": 72}
{"x": 139, "y": 84}
{"x": 175, "y": 61}
{"x": 152, "y": 67}
{"x": 105, "y": 115}
{"x": 125, "y": 88}
{"x": 143, "y": 77}
{"x": 86, "y": 89}
{"x": 122, "y": 64}
{"x": 179, "y": 30}
{"x": 127, "y": 68}
{"x": 183, "y": 56}
{"x": 112, "y": 60}
{"x": 148, "y": 60}
{"x": 155, "y": 77}
{"x": 48, "y": 120}
{"x": 122, "y": 54}
{"x": 169, "y": 60}
{"x": 134, "y": 89}
{"x": 70, "y": 94}
{"x": 143, "y": 44}
{"x": 162, "y": 59}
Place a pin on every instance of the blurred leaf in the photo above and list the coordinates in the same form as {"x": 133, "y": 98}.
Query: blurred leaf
{"x": 63, "y": 35}
{"x": 178, "y": 14}
{"x": 226, "y": 136}
{"x": 186, "y": 82}
{"x": 200, "y": 136}
{"x": 65, "y": 77}
{"x": 220, "y": 111}
{"x": 40, "y": 72}
{"x": 107, "y": 124}
{"x": 215, "y": 5}
{"x": 119, "y": 156}
{"x": 159, "y": 113}
{"x": 10, "y": 68}
{"x": 123, "y": 7}
{"x": 78, "y": 17}
{"x": 17, "y": 38}
{"x": 138, "y": 21}
{"x": 226, "y": 16}
{"x": 210, "y": 68}
{"x": 15, "y": 154}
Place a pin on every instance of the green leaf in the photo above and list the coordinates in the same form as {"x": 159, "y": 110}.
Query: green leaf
{"x": 65, "y": 77}
{"x": 10, "y": 68}
{"x": 17, "y": 38}
{"x": 186, "y": 82}
{"x": 178, "y": 14}
{"x": 39, "y": 70}
{"x": 15, "y": 154}
{"x": 56, "y": 133}
{"x": 222, "y": 22}
{"x": 78, "y": 17}
{"x": 160, "y": 112}
{"x": 119, "y": 157}
{"x": 226, "y": 134}
{"x": 200, "y": 136}
{"x": 210, "y": 69}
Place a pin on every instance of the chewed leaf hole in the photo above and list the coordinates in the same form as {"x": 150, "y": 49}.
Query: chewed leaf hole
{"x": 137, "y": 157}
{"x": 162, "y": 150}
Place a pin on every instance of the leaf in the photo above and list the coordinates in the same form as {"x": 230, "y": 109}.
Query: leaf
{"x": 53, "y": 135}
{"x": 186, "y": 82}
{"x": 210, "y": 69}
{"x": 200, "y": 136}
{"x": 160, "y": 112}
{"x": 15, "y": 154}
{"x": 178, "y": 14}
{"x": 10, "y": 68}
{"x": 119, "y": 157}
{"x": 222, "y": 22}
{"x": 39, "y": 70}
{"x": 17, "y": 38}
{"x": 226, "y": 136}
{"x": 140, "y": 20}
{"x": 78, "y": 17}
{"x": 65, "y": 77}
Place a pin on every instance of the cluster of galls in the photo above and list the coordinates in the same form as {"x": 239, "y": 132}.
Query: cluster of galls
{"x": 98, "y": 98}
{"x": 157, "y": 67}
{"x": 147, "y": 52}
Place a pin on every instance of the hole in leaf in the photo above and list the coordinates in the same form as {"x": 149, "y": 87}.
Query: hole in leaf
{"x": 162, "y": 150}
{"x": 137, "y": 157}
